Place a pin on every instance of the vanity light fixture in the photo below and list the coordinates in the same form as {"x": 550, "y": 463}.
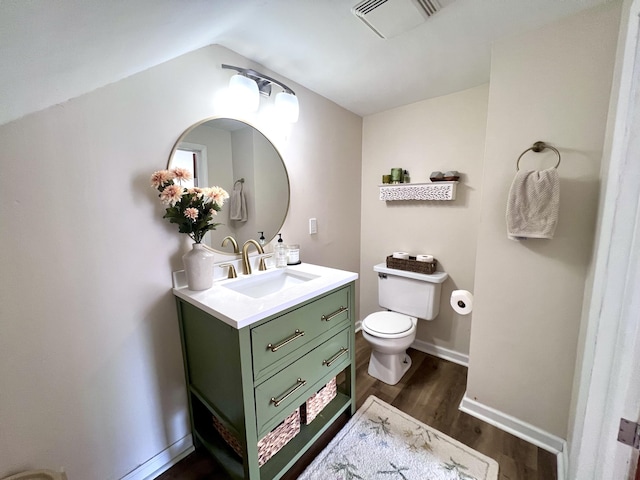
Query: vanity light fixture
{"x": 247, "y": 85}
{"x": 244, "y": 93}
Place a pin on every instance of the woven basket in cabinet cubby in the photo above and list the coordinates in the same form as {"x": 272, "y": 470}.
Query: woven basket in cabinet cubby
{"x": 316, "y": 402}
{"x": 268, "y": 445}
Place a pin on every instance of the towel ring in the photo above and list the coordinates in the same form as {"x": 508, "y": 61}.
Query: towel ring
{"x": 538, "y": 147}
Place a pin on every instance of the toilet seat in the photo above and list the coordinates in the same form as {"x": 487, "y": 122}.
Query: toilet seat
{"x": 388, "y": 325}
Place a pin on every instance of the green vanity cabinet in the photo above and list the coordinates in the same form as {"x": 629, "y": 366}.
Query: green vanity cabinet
{"x": 254, "y": 377}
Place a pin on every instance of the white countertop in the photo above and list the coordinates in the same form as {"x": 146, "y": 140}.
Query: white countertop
{"x": 239, "y": 310}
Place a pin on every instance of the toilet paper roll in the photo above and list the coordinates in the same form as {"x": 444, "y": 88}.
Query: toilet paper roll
{"x": 424, "y": 258}
{"x": 401, "y": 255}
{"x": 462, "y": 301}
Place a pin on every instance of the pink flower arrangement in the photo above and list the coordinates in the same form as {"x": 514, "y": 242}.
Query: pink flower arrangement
{"x": 191, "y": 209}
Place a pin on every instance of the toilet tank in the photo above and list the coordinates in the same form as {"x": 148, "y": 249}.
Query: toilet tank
{"x": 414, "y": 294}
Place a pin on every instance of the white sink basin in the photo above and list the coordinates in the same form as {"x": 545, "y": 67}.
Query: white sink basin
{"x": 268, "y": 283}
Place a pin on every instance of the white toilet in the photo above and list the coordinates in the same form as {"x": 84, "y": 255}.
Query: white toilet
{"x": 407, "y": 296}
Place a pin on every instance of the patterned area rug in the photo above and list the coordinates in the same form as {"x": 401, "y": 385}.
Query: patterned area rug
{"x": 382, "y": 442}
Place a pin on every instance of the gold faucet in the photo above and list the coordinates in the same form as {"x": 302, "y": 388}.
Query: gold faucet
{"x": 246, "y": 267}
{"x": 233, "y": 242}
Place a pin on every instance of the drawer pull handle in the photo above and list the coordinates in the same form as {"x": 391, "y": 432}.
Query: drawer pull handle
{"x": 327, "y": 318}
{"x": 296, "y": 334}
{"x": 299, "y": 384}
{"x": 335, "y": 357}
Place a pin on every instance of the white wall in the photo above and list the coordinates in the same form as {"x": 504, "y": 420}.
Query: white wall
{"x": 444, "y": 133}
{"x": 90, "y": 364}
{"x": 324, "y": 164}
{"x": 552, "y": 84}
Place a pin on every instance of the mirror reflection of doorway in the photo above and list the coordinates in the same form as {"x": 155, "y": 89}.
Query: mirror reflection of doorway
{"x": 192, "y": 157}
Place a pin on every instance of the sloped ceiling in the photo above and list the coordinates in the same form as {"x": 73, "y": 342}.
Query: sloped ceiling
{"x": 54, "y": 50}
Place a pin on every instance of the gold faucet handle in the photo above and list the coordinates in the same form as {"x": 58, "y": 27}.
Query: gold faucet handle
{"x": 232, "y": 270}
{"x": 263, "y": 265}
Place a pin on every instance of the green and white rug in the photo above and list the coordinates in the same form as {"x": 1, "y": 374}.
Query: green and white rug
{"x": 381, "y": 442}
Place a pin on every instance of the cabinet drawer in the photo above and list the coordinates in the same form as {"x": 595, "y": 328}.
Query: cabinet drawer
{"x": 284, "y": 392}
{"x": 283, "y": 339}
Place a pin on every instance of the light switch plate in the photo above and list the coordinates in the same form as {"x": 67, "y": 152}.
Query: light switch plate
{"x": 313, "y": 226}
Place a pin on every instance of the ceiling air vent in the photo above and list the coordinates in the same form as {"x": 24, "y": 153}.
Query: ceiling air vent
{"x": 389, "y": 18}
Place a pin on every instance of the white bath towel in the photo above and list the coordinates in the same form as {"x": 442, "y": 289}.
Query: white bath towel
{"x": 238, "y": 203}
{"x": 532, "y": 207}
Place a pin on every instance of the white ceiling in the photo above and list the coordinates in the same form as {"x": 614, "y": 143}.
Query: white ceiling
{"x": 53, "y": 50}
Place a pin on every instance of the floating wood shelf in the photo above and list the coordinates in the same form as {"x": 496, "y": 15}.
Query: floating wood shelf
{"x": 419, "y": 191}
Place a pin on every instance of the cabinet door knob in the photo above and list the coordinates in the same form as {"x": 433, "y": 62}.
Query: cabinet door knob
{"x": 299, "y": 384}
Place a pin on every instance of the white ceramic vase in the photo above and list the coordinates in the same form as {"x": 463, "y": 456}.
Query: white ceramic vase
{"x": 198, "y": 266}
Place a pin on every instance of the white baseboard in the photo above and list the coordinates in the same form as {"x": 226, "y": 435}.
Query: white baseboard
{"x": 163, "y": 461}
{"x": 520, "y": 429}
{"x": 562, "y": 460}
{"x": 441, "y": 352}
{"x": 436, "y": 351}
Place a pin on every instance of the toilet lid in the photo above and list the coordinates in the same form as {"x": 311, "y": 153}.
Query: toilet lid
{"x": 388, "y": 323}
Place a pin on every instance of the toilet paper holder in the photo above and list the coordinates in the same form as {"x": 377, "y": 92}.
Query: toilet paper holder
{"x": 462, "y": 302}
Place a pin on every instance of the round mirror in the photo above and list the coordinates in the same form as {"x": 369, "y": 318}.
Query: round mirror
{"x": 235, "y": 156}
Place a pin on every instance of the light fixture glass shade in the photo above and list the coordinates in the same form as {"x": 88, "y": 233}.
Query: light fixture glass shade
{"x": 244, "y": 93}
{"x": 287, "y": 107}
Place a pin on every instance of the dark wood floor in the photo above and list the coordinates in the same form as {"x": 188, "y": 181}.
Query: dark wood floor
{"x": 430, "y": 392}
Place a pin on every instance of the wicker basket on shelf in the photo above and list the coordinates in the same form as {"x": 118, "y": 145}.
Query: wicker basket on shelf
{"x": 316, "y": 402}
{"x": 268, "y": 445}
{"x": 412, "y": 265}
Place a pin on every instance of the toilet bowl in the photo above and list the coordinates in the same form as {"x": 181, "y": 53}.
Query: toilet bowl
{"x": 389, "y": 334}
{"x": 407, "y": 296}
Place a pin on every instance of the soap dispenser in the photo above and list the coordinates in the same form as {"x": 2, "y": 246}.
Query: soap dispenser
{"x": 262, "y": 240}
{"x": 281, "y": 253}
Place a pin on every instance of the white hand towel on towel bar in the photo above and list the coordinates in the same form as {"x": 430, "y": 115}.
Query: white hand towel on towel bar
{"x": 532, "y": 207}
{"x": 238, "y": 203}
